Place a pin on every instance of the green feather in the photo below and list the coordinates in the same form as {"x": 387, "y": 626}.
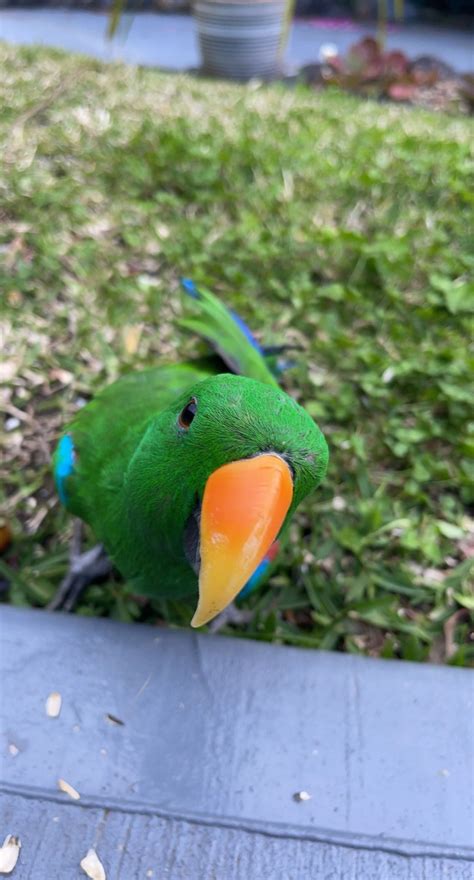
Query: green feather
{"x": 215, "y": 324}
{"x": 136, "y": 474}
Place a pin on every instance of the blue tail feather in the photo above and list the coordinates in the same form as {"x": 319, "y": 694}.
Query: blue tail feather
{"x": 190, "y": 288}
{"x": 227, "y": 333}
{"x": 246, "y": 331}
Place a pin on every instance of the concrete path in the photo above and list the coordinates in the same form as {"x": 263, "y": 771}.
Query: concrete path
{"x": 190, "y": 754}
{"x": 169, "y": 41}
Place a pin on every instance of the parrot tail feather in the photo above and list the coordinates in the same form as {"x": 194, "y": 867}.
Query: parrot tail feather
{"x": 227, "y": 334}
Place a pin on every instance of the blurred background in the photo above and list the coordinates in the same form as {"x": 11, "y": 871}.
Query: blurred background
{"x": 168, "y": 33}
{"x": 313, "y": 167}
{"x": 422, "y": 10}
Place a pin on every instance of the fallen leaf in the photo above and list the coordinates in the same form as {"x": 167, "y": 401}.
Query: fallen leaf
{"x": 5, "y": 535}
{"x": 449, "y": 628}
{"x": 63, "y": 376}
{"x": 15, "y": 298}
{"x": 9, "y": 852}
{"x": 53, "y": 705}
{"x": 8, "y": 369}
{"x": 467, "y": 547}
{"x": 401, "y": 91}
{"x": 131, "y": 337}
{"x": 92, "y": 866}
{"x": 68, "y": 789}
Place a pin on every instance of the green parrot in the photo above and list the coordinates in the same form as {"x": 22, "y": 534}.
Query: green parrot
{"x": 188, "y": 473}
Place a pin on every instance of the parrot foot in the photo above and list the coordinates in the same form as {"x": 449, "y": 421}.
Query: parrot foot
{"x": 84, "y": 569}
{"x": 232, "y": 616}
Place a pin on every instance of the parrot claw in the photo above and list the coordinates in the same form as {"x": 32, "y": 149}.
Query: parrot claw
{"x": 231, "y": 616}
{"x": 84, "y": 569}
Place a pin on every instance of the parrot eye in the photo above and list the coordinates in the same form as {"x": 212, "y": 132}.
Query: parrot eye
{"x": 187, "y": 414}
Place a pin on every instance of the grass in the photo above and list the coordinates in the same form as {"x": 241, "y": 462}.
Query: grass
{"x": 338, "y": 224}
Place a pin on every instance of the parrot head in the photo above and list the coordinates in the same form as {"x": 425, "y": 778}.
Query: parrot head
{"x": 219, "y": 473}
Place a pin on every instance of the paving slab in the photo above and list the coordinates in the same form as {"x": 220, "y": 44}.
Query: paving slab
{"x": 187, "y": 751}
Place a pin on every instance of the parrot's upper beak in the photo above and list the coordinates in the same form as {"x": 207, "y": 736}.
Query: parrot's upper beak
{"x": 243, "y": 509}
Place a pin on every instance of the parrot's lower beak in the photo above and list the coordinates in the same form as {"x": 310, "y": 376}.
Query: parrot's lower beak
{"x": 243, "y": 509}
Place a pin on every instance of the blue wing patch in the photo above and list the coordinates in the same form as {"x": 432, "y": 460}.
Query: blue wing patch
{"x": 65, "y": 456}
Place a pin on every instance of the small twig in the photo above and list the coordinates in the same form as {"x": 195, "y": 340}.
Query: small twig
{"x": 449, "y": 628}
{"x": 16, "y": 128}
{"x": 35, "y": 522}
{"x": 29, "y": 420}
{"x": 76, "y": 542}
{"x": 20, "y": 414}
{"x": 38, "y": 108}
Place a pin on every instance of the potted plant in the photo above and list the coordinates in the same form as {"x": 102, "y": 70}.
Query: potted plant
{"x": 241, "y": 39}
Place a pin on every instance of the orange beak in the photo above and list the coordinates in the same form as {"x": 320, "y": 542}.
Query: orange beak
{"x": 243, "y": 509}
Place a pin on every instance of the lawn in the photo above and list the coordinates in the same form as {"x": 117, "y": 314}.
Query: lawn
{"x": 341, "y": 225}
